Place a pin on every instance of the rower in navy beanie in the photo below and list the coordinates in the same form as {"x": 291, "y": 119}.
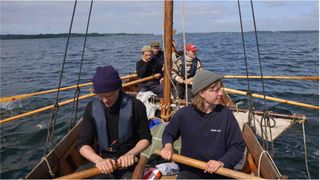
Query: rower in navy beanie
{"x": 106, "y": 79}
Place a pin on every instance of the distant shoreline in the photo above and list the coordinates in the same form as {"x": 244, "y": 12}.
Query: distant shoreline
{"x": 61, "y": 35}
{"x": 64, "y": 35}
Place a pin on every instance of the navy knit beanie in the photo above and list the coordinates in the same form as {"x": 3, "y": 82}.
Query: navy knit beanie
{"x": 106, "y": 79}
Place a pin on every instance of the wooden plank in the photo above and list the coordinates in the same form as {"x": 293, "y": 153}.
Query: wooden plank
{"x": 252, "y": 165}
{"x": 267, "y": 169}
{"x": 54, "y": 156}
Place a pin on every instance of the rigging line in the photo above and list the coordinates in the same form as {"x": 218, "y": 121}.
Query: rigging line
{"x": 244, "y": 47}
{"x": 166, "y": 70}
{"x": 52, "y": 122}
{"x": 263, "y": 133}
{"x": 269, "y": 120}
{"x": 184, "y": 54}
{"x": 260, "y": 66}
{"x": 77, "y": 92}
{"x": 305, "y": 150}
{"x": 274, "y": 165}
{"x": 50, "y": 130}
{"x": 48, "y": 165}
{"x": 251, "y": 112}
{"x": 250, "y": 100}
{"x": 258, "y": 51}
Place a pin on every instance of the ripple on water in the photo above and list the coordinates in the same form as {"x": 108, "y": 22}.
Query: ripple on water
{"x": 34, "y": 64}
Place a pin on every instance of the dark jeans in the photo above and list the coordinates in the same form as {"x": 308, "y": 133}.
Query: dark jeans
{"x": 181, "y": 91}
{"x": 117, "y": 174}
{"x": 153, "y": 86}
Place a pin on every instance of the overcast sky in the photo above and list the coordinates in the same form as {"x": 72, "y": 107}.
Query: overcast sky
{"x": 34, "y": 17}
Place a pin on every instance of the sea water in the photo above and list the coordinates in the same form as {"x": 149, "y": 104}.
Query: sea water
{"x": 32, "y": 65}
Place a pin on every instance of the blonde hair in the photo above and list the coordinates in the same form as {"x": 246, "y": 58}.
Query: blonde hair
{"x": 198, "y": 102}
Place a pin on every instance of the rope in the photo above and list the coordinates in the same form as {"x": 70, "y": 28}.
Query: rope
{"x": 249, "y": 94}
{"x": 274, "y": 165}
{"x": 263, "y": 132}
{"x": 77, "y": 92}
{"x": 270, "y": 118}
{"x": 184, "y": 54}
{"x": 258, "y": 51}
{"x": 251, "y": 113}
{"x": 266, "y": 117}
{"x": 265, "y": 123}
{"x": 166, "y": 69}
{"x": 49, "y": 167}
{"x": 244, "y": 47}
{"x": 305, "y": 150}
{"x": 75, "y": 105}
{"x": 52, "y": 122}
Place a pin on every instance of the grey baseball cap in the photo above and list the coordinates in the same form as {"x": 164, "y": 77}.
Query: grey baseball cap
{"x": 203, "y": 79}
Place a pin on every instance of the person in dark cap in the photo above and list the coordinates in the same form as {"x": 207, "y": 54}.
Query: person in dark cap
{"x": 148, "y": 66}
{"x": 157, "y": 52}
{"x": 192, "y": 65}
{"x": 209, "y": 131}
{"x": 115, "y": 127}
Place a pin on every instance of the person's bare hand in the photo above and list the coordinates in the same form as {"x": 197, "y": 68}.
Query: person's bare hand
{"x": 161, "y": 80}
{"x": 106, "y": 166}
{"x": 180, "y": 80}
{"x": 188, "y": 81}
{"x": 157, "y": 76}
{"x": 212, "y": 166}
{"x": 126, "y": 160}
{"x": 167, "y": 151}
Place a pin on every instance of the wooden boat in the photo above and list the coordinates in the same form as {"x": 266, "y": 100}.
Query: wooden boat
{"x": 64, "y": 159}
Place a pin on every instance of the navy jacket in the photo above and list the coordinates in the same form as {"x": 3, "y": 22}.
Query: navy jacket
{"x": 88, "y": 130}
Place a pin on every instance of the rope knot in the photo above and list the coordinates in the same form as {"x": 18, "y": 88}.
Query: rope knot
{"x": 56, "y": 106}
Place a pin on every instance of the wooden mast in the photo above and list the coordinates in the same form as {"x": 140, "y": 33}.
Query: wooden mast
{"x": 168, "y": 24}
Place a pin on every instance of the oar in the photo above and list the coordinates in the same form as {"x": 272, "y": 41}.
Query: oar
{"x": 87, "y": 172}
{"x": 139, "y": 169}
{"x": 274, "y": 77}
{"x": 202, "y": 165}
{"x": 82, "y": 174}
{"x": 234, "y": 91}
{"x": 67, "y": 102}
{"x": 22, "y": 96}
{"x": 144, "y": 156}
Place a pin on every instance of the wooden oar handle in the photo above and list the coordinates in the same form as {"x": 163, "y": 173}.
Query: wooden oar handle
{"x": 82, "y": 174}
{"x": 202, "y": 165}
{"x": 87, "y": 172}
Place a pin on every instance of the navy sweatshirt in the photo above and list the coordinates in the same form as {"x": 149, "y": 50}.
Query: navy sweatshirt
{"x": 213, "y": 136}
{"x": 145, "y": 69}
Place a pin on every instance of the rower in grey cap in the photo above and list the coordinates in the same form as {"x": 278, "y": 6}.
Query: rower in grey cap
{"x": 208, "y": 130}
